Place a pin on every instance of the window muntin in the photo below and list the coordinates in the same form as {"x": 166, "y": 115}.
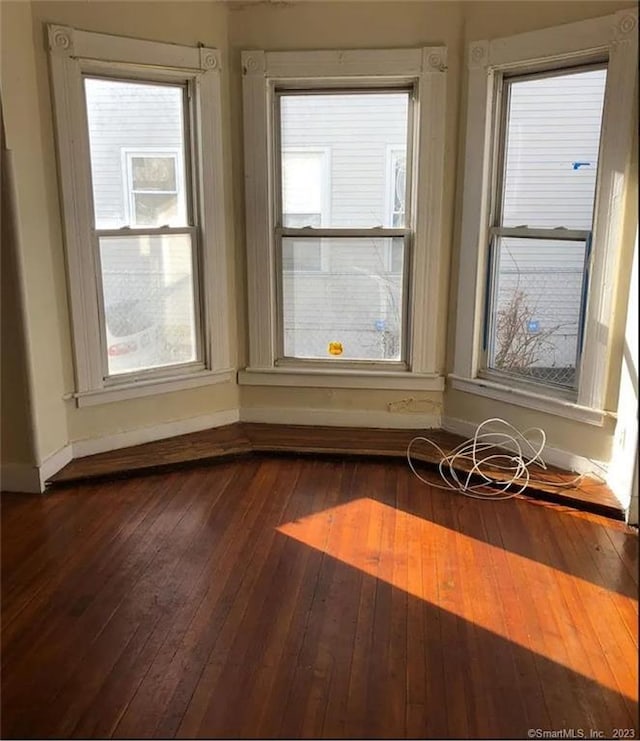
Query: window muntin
{"x": 358, "y": 301}
{"x": 148, "y": 279}
{"x": 548, "y": 140}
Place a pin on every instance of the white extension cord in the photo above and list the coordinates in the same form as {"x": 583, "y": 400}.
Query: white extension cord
{"x": 474, "y": 455}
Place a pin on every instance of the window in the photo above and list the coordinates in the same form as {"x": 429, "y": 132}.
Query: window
{"x": 347, "y": 254}
{"x": 154, "y": 188}
{"x": 547, "y": 147}
{"x": 549, "y": 137}
{"x": 139, "y": 156}
{"x": 355, "y": 304}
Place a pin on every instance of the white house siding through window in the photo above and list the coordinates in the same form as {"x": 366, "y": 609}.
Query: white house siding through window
{"x": 338, "y": 289}
{"x": 137, "y": 143}
{"x": 551, "y": 135}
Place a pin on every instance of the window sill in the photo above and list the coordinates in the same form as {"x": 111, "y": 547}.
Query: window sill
{"x": 530, "y": 400}
{"x": 137, "y": 389}
{"x": 340, "y": 378}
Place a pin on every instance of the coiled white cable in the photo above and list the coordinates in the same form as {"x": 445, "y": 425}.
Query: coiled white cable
{"x": 480, "y": 454}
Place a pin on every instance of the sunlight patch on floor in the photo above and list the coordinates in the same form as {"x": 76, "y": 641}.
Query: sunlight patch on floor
{"x": 514, "y": 597}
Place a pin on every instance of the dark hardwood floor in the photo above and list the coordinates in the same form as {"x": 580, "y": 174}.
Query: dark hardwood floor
{"x": 297, "y": 597}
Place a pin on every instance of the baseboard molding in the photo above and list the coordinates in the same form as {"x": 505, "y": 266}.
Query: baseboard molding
{"x": 554, "y": 456}
{"x": 20, "y": 477}
{"x": 340, "y": 418}
{"x": 53, "y": 463}
{"x": 82, "y": 448}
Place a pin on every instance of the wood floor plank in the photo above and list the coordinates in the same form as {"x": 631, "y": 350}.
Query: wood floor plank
{"x": 152, "y": 697}
{"x": 303, "y": 597}
{"x": 102, "y": 715}
{"x": 564, "y": 677}
{"x": 521, "y": 623}
{"x": 278, "y": 681}
{"x": 112, "y": 615}
{"x": 52, "y": 562}
{"x": 182, "y": 577}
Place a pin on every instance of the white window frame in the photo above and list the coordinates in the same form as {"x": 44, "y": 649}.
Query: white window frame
{"x": 74, "y": 54}
{"x": 612, "y": 39}
{"x": 128, "y": 153}
{"x": 425, "y": 69}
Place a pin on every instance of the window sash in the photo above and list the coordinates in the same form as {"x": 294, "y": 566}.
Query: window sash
{"x": 402, "y": 363}
{"x": 199, "y": 363}
{"x": 371, "y": 89}
{"x": 281, "y": 232}
{"x": 502, "y": 110}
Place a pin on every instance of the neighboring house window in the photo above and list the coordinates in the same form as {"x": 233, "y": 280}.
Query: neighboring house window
{"x": 305, "y": 203}
{"x": 365, "y": 278}
{"x": 547, "y": 148}
{"x": 396, "y": 190}
{"x": 397, "y": 186}
{"x": 143, "y": 212}
{"x": 154, "y": 187}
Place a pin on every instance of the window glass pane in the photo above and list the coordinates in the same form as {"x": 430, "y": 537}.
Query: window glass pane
{"x": 551, "y": 156}
{"x": 537, "y": 299}
{"x": 147, "y": 285}
{"x": 304, "y": 188}
{"x": 301, "y": 254}
{"x": 153, "y": 173}
{"x": 346, "y": 173}
{"x": 352, "y": 308}
{"x": 136, "y": 140}
{"x": 153, "y": 209}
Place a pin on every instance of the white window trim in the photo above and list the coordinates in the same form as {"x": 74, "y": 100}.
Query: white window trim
{"x": 128, "y": 153}
{"x": 262, "y": 70}
{"x": 614, "y": 37}
{"x": 72, "y": 53}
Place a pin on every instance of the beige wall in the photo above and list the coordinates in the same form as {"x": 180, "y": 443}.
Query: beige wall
{"x": 16, "y": 438}
{"x": 39, "y": 230}
{"x": 26, "y": 96}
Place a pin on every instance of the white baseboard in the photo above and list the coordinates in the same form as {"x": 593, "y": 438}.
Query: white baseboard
{"x": 91, "y": 446}
{"x": 53, "y": 463}
{"x": 340, "y": 418}
{"x": 20, "y": 477}
{"x": 554, "y": 456}
{"x": 28, "y": 479}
